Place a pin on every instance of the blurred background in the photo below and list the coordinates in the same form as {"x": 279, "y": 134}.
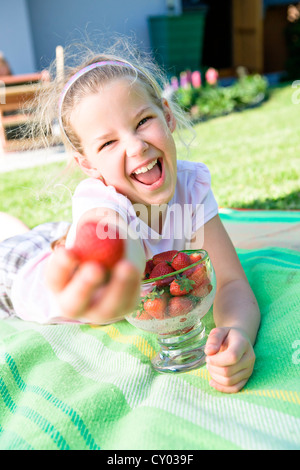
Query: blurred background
{"x": 257, "y": 34}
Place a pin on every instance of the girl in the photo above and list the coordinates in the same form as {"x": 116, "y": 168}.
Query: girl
{"x": 119, "y": 129}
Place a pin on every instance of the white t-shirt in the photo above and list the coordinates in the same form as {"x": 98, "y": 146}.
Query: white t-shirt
{"x": 192, "y": 205}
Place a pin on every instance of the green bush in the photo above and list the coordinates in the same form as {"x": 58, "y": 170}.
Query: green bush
{"x": 213, "y": 100}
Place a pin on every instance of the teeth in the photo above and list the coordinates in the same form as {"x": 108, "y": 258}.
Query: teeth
{"x": 145, "y": 168}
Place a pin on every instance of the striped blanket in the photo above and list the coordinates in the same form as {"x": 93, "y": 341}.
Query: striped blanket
{"x": 81, "y": 387}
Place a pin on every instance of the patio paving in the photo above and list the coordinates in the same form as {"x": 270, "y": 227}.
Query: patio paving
{"x": 252, "y": 236}
{"x": 27, "y": 159}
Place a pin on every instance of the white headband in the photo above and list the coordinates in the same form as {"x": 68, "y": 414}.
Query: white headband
{"x": 75, "y": 77}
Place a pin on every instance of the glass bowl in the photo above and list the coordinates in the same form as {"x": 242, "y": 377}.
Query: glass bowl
{"x": 172, "y": 305}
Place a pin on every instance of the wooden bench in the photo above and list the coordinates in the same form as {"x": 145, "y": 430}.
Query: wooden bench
{"x": 16, "y": 95}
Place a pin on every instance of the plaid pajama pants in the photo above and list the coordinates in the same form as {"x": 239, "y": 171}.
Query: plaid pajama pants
{"x": 16, "y": 251}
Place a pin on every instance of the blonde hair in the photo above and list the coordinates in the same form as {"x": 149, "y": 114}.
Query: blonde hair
{"x": 140, "y": 66}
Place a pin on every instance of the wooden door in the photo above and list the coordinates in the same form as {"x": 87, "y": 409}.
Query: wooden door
{"x": 248, "y": 34}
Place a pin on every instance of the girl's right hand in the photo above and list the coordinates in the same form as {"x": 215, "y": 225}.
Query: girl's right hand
{"x": 83, "y": 293}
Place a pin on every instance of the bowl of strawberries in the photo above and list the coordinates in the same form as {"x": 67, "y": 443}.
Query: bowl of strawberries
{"x": 177, "y": 290}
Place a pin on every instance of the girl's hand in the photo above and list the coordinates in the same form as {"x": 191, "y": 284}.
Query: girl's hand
{"x": 82, "y": 290}
{"x": 230, "y": 359}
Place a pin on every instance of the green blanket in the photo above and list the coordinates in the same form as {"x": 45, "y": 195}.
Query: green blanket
{"x": 81, "y": 387}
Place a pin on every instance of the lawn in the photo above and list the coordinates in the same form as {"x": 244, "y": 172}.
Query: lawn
{"x": 253, "y": 156}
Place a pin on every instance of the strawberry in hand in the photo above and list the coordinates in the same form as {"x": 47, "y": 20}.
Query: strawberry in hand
{"x": 90, "y": 244}
{"x": 94, "y": 280}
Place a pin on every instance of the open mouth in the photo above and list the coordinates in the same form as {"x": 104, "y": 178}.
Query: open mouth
{"x": 149, "y": 174}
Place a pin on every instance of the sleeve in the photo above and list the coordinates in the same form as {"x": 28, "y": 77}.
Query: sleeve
{"x": 203, "y": 200}
{"x": 20, "y": 255}
{"x": 90, "y": 194}
{"x": 32, "y": 300}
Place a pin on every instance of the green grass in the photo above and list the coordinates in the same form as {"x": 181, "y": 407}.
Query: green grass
{"x": 39, "y": 194}
{"x": 253, "y": 156}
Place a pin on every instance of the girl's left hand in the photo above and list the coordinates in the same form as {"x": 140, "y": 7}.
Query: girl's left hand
{"x": 230, "y": 359}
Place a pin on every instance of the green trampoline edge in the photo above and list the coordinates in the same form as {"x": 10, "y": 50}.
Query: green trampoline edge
{"x": 250, "y": 216}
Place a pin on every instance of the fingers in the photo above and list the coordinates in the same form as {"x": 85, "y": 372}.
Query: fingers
{"x": 246, "y": 361}
{"x": 119, "y": 297}
{"x": 215, "y": 340}
{"x": 228, "y": 382}
{"x": 233, "y": 375}
{"x": 231, "y": 347}
{"x": 83, "y": 290}
{"x": 60, "y": 269}
{"x": 76, "y": 296}
{"x": 232, "y": 365}
{"x": 88, "y": 291}
{"x": 228, "y": 389}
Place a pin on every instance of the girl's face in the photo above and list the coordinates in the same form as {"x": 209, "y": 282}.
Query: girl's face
{"x": 127, "y": 141}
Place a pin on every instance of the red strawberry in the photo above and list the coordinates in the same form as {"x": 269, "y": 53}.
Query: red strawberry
{"x": 148, "y": 268}
{"x": 188, "y": 272}
{"x": 90, "y": 245}
{"x": 164, "y": 256}
{"x": 181, "y": 286}
{"x": 143, "y": 316}
{"x": 156, "y": 306}
{"x": 203, "y": 290}
{"x": 198, "y": 275}
{"x": 179, "y": 306}
{"x": 180, "y": 261}
{"x": 194, "y": 257}
{"x": 160, "y": 270}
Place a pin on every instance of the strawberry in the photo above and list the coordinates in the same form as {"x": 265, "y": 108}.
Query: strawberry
{"x": 142, "y": 315}
{"x": 179, "y": 306}
{"x": 186, "y": 330}
{"x": 90, "y": 245}
{"x": 156, "y": 305}
{"x": 198, "y": 275}
{"x": 164, "y": 256}
{"x": 203, "y": 290}
{"x": 180, "y": 260}
{"x": 160, "y": 270}
{"x": 188, "y": 272}
{"x": 194, "y": 257}
{"x": 148, "y": 268}
{"x": 181, "y": 286}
